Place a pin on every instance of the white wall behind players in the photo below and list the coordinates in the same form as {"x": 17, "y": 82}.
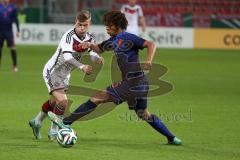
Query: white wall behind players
{"x": 50, "y": 34}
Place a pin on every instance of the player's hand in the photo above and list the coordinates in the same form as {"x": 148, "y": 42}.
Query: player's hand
{"x": 147, "y": 65}
{"x": 143, "y": 29}
{"x": 18, "y": 34}
{"x": 100, "y": 60}
{"x": 84, "y": 45}
{"x": 87, "y": 69}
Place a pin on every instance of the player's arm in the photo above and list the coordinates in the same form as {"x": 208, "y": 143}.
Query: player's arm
{"x": 98, "y": 48}
{"x": 141, "y": 43}
{"x": 70, "y": 59}
{"x": 142, "y": 23}
{"x": 151, "y": 48}
{"x": 95, "y": 57}
{"x": 94, "y": 47}
{"x": 67, "y": 50}
{"x": 16, "y": 21}
{"x": 122, "y": 8}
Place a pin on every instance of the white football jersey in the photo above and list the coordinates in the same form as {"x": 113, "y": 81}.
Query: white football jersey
{"x": 132, "y": 14}
{"x": 68, "y": 55}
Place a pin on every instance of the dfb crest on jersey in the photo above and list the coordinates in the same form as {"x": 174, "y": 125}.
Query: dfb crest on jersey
{"x": 76, "y": 46}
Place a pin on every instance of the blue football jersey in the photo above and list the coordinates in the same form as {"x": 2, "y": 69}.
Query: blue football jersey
{"x": 126, "y": 47}
{"x": 8, "y": 15}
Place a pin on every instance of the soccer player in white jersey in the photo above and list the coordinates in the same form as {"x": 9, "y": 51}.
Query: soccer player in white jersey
{"x": 57, "y": 70}
{"x": 135, "y": 17}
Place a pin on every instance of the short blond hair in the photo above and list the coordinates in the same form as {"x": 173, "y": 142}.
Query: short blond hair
{"x": 83, "y": 15}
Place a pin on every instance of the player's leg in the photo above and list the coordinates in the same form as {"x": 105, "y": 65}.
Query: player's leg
{"x": 58, "y": 109}
{"x": 87, "y": 107}
{"x": 84, "y": 109}
{"x": 1, "y": 46}
{"x": 11, "y": 45}
{"x": 36, "y": 122}
{"x": 53, "y": 131}
{"x": 114, "y": 93}
{"x": 61, "y": 101}
{"x": 56, "y": 87}
{"x": 46, "y": 107}
{"x": 53, "y": 128}
{"x": 57, "y": 105}
{"x": 143, "y": 113}
{"x": 0, "y": 55}
{"x": 14, "y": 58}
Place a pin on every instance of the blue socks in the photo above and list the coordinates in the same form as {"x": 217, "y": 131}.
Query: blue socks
{"x": 156, "y": 123}
{"x": 89, "y": 106}
{"x": 81, "y": 111}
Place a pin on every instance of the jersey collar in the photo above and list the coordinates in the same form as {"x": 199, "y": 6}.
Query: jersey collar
{"x": 80, "y": 37}
{"x": 121, "y": 34}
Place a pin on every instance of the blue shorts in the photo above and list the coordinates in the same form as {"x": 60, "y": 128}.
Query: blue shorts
{"x": 133, "y": 92}
{"x": 8, "y": 36}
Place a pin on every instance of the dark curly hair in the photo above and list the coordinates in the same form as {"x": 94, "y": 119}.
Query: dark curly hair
{"x": 115, "y": 18}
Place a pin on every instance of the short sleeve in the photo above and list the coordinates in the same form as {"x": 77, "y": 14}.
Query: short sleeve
{"x": 107, "y": 45}
{"x": 122, "y": 8}
{"x": 92, "y": 40}
{"x": 137, "y": 41}
{"x": 140, "y": 12}
{"x": 66, "y": 43}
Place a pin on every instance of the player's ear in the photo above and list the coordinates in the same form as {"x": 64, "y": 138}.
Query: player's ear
{"x": 90, "y": 21}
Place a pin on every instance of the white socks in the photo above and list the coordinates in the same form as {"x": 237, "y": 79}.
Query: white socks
{"x": 40, "y": 117}
{"x": 53, "y": 128}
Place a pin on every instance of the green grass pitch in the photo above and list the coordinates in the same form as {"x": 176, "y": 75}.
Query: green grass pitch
{"x": 202, "y": 109}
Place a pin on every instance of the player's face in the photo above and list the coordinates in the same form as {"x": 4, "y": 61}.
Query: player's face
{"x": 132, "y": 2}
{"x": 82, "y": 27}
{"x": 5, "y": 1}
{"x": 112, "y": 30}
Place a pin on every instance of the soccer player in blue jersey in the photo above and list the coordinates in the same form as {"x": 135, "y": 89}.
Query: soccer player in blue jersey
{"x": 134, "y": 86}
{"x": 8, "y": 16}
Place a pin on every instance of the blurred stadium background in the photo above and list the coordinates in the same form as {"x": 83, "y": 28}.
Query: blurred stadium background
{"x": 198, "y": 41}
{"x": 171, "y": 23}
{"x": 169, "y": 13}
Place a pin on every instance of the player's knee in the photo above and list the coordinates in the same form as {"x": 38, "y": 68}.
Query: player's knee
{"x": 140, "y": 114}
{"x": 97, "y": 100}
{"x": 60, "y": 107}
{"x": 143, "y": 114}
{"x": 101, "y": 97}
{"x": 63, "y": 104}
{"x": 13, "y": 48}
